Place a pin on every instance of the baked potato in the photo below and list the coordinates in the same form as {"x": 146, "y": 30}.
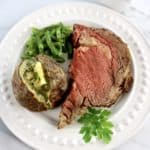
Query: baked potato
{"x": 39, "y": 83}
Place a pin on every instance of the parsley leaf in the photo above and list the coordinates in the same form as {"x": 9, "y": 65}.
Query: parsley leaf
{"x": 95, "y": 123}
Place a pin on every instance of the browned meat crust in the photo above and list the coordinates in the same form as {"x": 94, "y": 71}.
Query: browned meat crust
{"x": 101, "y": 70}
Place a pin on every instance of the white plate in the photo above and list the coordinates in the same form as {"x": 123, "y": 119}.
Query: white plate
{"x": 39, "y": 129}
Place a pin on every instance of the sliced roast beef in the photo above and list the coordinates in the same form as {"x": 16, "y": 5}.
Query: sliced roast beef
{"x": 100, "y": 69}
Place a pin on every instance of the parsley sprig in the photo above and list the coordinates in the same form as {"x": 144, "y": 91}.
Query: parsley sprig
{"x": 95, "y": 123}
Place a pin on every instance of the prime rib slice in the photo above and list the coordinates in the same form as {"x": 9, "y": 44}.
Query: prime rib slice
{"x": 100, "y": 69}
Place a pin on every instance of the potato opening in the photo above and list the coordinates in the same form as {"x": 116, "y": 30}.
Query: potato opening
{"x": 33, "y": 76}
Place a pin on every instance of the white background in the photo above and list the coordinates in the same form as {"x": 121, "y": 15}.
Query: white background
{"x": 13, "y": 10}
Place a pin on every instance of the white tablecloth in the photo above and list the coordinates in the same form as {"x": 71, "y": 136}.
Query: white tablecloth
{"x": 12, "y": 11}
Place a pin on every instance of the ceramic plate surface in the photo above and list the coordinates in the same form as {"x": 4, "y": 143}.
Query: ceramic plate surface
{"x": 39, "y": 129}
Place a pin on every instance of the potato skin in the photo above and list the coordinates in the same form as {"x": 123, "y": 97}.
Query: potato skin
{"x": 26, "y": 98}
{"x": 54, "y": 72}
{"x": 23, "y": 95}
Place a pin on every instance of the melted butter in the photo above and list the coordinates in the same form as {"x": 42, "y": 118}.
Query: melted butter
{"x": 26, "y": 71}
